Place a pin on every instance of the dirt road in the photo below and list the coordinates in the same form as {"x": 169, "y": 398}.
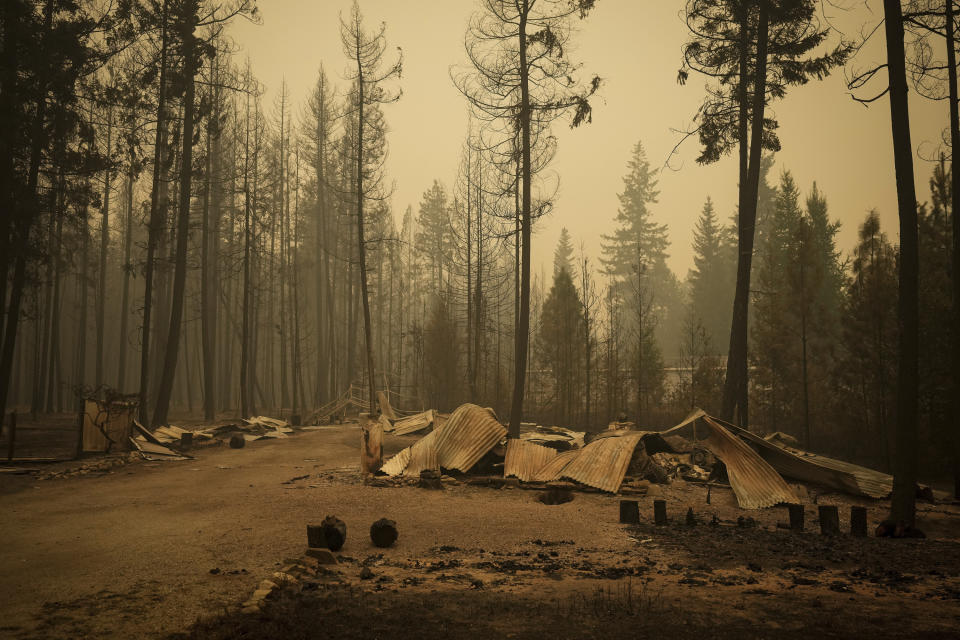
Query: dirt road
{"x": 130, "y": 553}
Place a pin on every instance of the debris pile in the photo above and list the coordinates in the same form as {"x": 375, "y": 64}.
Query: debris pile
{"x": 622, "y": 459}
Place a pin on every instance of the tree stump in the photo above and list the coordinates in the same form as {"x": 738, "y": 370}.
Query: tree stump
{"x": 796, "y": 516}
{"x": 660, "y": 512}
{"x": 858, "y": 521}
{"x": 334, "y": 532}
{"x": 383, "y": 532}
{"x": 315, "y": 537}
{"x": 430, "y": 479}
{"x": 829, "y": 519}
{"x": 691, "y": 519}
{"x": 237, "y": 441}
{"x": 629, "y": 512}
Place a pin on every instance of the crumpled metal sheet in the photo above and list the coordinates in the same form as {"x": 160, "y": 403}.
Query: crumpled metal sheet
{"x": 412, "y": 424}
{"x": 755, "y": 483}
{"x": 817, "y": 469}
{"x": 423, "y": 455}
{"x": 603, "y": 463}
{"x": 524, "y": 459}
{"x": 553, "y": 470}
{"x": 470, "y": 432}
{"x": 395, "y": 465}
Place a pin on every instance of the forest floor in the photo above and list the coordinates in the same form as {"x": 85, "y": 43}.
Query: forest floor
{"x": 161, "y": 550}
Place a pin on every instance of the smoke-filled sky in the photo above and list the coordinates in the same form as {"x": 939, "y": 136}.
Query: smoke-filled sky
{"x": 636, "y": 48}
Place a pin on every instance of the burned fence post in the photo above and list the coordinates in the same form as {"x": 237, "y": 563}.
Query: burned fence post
{"x": 315, "y": 537}
{"x": 796, "y": 516}
{"x": 629, "y": 512}
{"x": 334, "y": 532}
{"x": 829, "y": 519}
{"x": 858, "y": 521}
{"x": 691, "y": 518}
{"x": 237, "y": 441}
{"x": 660, "y": 512}
{"x": 383, "y": 532}
{"x": 186, "y": 439}
{"x": 430, "y": 479}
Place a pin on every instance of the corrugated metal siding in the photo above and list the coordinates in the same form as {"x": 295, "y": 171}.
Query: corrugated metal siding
{"x": 828, "y": 472}
{"x": 524, "y": 459}
{"x": 412, "y": 424}
{"x": 755, "y": 483}
{"x": 470, "y": 432}
{"x": 423, "y": 455}
{"x": 603, "y": 463}
{"x": 553, "y": 470}
{"x": 395, "y": 465}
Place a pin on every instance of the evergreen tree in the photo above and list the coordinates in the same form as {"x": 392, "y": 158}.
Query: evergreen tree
{"x": 563, "y": 254}
{"x": 434, "y": 236}
{"x": 798, "y": 303}
{"x": 639, "y": 246}
{"x": 866, "y": 371}
{"x": 560, "y": 344}
{"x": 712, "y": 278}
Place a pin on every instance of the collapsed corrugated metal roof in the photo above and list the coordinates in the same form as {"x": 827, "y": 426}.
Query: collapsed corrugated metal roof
{"x": 412, "y": 424}
{"x": 553, "y": 470}
{"x": 755, "y": 483}
{"x": 395, "y": 465}
{"x": 423, "y": 455}
{"x": 470, "y": 432}
{"x": 524, "y": 459}
{"x": 809, "y": 467}
{"x": 603, "y": 462}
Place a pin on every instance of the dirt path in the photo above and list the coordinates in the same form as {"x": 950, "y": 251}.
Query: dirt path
{"x": 130, "y": 553}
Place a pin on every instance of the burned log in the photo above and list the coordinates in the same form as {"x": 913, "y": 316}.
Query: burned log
{"x": 334, "y": 532}
{"x": 237, "y": 441}
{"x": 383, "y": 532}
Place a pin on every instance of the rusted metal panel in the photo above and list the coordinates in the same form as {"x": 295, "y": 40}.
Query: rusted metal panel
{"x": 396, "y": 465}
{"x": 755, "y": 483}
{"x": 816, "y": 469}
{"x": 423, "y": 455}
{"x": 412, "y": 424}
{"x": 470, "y": 432}
{"x": 524, "y": 459}
{"x": 553, "y": 470}
{"x": 603, "y": 462}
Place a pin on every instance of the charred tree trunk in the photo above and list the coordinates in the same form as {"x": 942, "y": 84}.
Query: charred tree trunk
{"x": 104, "y": 245}
{"x": 736, "y": 385}
{"x": 183, "y": 225}
{"x": 903, "y": 502}
{"x": 523, "y": 326}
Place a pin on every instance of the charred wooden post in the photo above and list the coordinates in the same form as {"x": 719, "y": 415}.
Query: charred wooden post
{"x": 829, "y": 519}
{"x": 334, "y": 532}
{"x": 629, "y": 512}
{"x": 186, "y": 439}
{"x": 691, "y": 519}
{"x": 796, "y": 516}
{"x": 237, "y": 441}
{"x": 660, "y": 512}
{"x": 296, "y": 420}
{"x": 858, "y": 521}
{"x": 315, "y": 537}
{"x": 383, "y": 532}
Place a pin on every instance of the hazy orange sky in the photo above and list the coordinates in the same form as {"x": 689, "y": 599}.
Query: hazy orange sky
{"x": 635, "y": 47}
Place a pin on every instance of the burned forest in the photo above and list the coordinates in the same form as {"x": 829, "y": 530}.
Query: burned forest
{"x": 479, "y": 319}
